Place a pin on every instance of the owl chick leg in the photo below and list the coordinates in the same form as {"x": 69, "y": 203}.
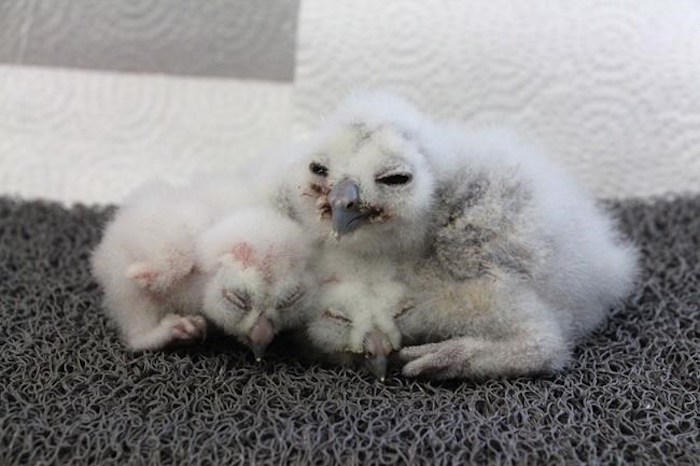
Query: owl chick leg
{"x": 144, "y": 328}
{"x": 470, "y": 357}
{"x": 172, "y": 329}
{"x": 534, "y": 344}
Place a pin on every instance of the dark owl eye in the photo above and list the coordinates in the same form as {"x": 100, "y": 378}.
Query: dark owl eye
{"x": 318, "y": 169}
{"x": 395, "y": 179}
{"x": 240, "y": 300}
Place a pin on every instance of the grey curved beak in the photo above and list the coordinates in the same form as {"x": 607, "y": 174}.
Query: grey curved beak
{"x": 377, "y": 350}
{"x": 377, "y": 366}
{"x": 346, "y": 215}
{"x": 260, "y": 336}
{"x": 258, "y": 351}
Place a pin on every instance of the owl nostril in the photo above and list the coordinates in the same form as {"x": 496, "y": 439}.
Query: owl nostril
{"x": 345, "y": 195}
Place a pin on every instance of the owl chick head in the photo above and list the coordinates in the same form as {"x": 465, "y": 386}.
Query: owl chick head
{"x": 258, "y": 282}
{"x": 355, "y": 322}
{"x": 367, "y": 175}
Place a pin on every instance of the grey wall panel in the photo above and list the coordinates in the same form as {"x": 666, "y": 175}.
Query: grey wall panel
{"x": 224, "y": 38}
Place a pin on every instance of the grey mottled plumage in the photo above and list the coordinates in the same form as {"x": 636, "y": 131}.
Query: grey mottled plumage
{"x": 509, "y": 263}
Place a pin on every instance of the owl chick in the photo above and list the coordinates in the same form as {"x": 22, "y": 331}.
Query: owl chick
{"x": 146, "y": 266}
{"x": 146, "y": 261}
{"x": 523, "y": 264}
{"x": 258, "y": 281}
{"x": 355, "y": 312}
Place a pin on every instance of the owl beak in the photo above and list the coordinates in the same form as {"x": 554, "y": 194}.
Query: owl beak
{"x": 377, "y": 366}
{"x": 377, "y": 352}
{"x": 346, "y": 214}
{"x": 260, "y": 336}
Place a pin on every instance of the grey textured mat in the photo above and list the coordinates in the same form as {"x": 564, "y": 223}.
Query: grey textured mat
{"x": 69, "y": 394}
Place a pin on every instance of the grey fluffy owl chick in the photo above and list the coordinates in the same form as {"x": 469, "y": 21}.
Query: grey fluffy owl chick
{"x": 356, "y": 310}
{"x": 258, "y": 279}
{"x": 522, "y": 264}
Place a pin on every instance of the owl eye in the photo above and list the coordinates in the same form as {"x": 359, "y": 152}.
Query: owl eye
{"x": 292, "y": 298}
{"x": 404, "y": 310}
{"x": 239, "y": 299}
{"x": 394, "y": 179}
{"x": 331, "y": 314}
{"x": 318, "y": 169}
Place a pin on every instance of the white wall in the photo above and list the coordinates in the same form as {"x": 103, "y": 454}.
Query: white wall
{"x": 611, "y": 88}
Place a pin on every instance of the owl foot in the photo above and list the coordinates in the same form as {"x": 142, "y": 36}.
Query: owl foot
{"x": 185, "y": 329}
{"x": 467, "y": 357}
{"x": 444, "y": 360}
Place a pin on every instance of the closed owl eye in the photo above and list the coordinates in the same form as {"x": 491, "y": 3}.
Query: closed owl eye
{"x": 239, "y": 299}
{"x": 291, "y": 298}
{"x": 394, "y": 179}
{"x": 405, "y": 309}
{"x": 335, "y": 315}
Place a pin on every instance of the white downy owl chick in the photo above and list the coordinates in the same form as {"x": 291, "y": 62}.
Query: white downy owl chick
{"x": 146, "y": 266}
{"x": 258, "y": 280}
{"x": 489, "y": 210}
{"x": 339, "y": 184}
{"x": 356, "y": 311}
{"x": 146, "y": 261}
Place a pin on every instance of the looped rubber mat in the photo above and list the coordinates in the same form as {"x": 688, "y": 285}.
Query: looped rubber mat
{"x": 70, "y": 394}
